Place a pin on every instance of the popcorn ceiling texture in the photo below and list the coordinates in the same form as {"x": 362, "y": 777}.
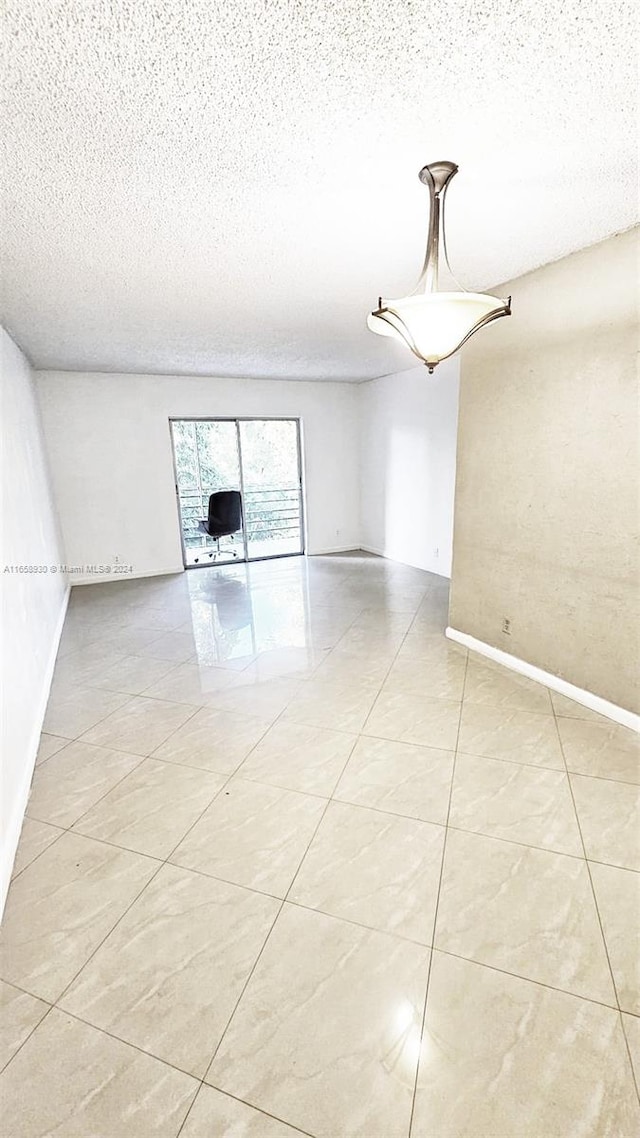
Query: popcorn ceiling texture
{"x": 224, "y": 188}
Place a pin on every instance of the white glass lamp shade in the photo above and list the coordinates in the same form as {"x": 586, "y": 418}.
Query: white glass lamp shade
{"x": 435, "y": 321}
{"x": 435, "y": 325}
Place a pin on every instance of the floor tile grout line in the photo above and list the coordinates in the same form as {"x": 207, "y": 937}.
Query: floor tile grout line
{"x": 599, "y": 917}
{"x": 182, "y": 839}
{"x": 259, "y": 1109}
{"x": 281, "y": 714}
{"x": 276, "y": 720}
{"x": 33, "y": 1029}
{"x": 138, "y": 695}
{"x": 203, "y": 1081}
{"x": 613, "y": 865}
{"x": 194, "y": 711}
{"x": 530, "y": 980}
{"x": 174, "y": 763}
{"x": 15, "y": 876}
{"x": 127, "y": 1042}
{"x": 344, "y": 920}
{"x": 144, "y": 694}
{"x": 162, "y": 862}
{"x": 331, "y": 798}
{"x": 360, "y": 734}
{"x": 226, "y": 775}
{"x": 320, "y": 821}
{"x": 387, "y": 673}
{"x": 293, "y": 676}
{"x": 227, "y": 780}
{"x": 132, "y": 754}
{"x": 281, "y": 907}
{"x": 78, "y": 738}
{"x": 238, "y": 772}
{"x": 175, "y": 864}
{"x": 399, "y": 649}
{"x": 43, "y": 762}
{"x": 327, "y": 799}
{"x": 286, "y": 676}
{"x": 118, "y": 691}
{"x": 357, "y": 924}
{"x": 514, "y": 842}
{"x": 142, "y": 758}
{"x": 603, "y": 778}
{"x": 160, "y": 866}
{"x": 90, "y": 838}
{"x": 70, "y": 828}
{"x": 112, "y": 929}
{"x": 205, "y": 770}
{"x": 435, "y": 914}
{"x": 414, "y": 818}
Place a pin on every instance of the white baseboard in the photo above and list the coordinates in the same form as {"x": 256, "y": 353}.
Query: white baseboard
{"x": 100, "y": 578}
{"x": 563, "y": 687}
{"x": 410, "y": 564}
{"x": 335, "y": 549}
{"x": 11, "y": 836}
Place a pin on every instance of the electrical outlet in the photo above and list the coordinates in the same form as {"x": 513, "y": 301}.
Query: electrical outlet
{"x": 436, "y": 553}
{"x": 506, "y": 626}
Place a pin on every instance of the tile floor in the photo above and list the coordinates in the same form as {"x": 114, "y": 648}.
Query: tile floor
{"x": 295, "y": 864}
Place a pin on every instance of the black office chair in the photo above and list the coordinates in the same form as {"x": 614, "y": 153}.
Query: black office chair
{"x": 225, "y": 519}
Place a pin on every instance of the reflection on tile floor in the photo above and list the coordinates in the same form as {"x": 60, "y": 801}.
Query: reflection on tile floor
{"x": 294, "y": 863}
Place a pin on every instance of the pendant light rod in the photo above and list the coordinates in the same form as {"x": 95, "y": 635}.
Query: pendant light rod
{"x": 436, "y": 177}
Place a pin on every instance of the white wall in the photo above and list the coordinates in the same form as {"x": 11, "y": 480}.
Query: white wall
{"x": 110, "y": 451}
{"x": 408, "y": 460}
{"x": 33, "y": 604}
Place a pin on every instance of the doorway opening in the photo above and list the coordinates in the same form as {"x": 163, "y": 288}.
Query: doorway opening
{"x": 260, "y": 459}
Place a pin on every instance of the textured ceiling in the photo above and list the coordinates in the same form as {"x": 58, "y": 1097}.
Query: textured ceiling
{"x": 224, "y": 188}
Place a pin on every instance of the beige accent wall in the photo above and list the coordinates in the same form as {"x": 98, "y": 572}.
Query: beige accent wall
{"x": 547, "y": 503}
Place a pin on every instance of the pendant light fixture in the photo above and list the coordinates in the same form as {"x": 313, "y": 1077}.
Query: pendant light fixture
{"x": 436, "y": 319}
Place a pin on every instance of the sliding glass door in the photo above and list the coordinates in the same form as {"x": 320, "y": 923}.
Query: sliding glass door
{"x": 270, "y": 458}
{"x": 261, "y": 459}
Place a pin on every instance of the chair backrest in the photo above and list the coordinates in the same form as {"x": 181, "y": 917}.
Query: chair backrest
{"x": 225, "y": 512}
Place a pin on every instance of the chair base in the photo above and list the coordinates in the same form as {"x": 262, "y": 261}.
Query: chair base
{"x": 214, "y": 553}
